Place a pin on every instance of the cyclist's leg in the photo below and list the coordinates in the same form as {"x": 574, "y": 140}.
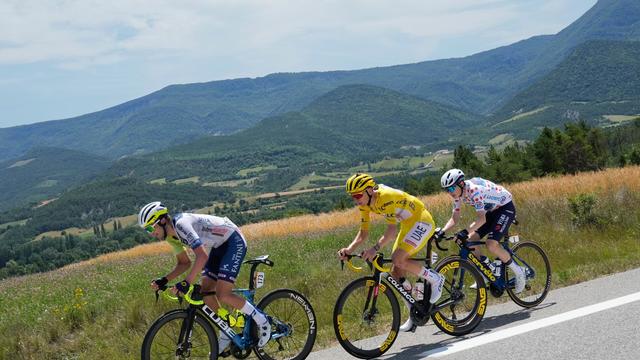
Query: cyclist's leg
{"x": 227, "y": 274}
{"x": 479, "y": 234}
{"x": 209, "y": 291}
{"x": 498, "y": 223}
{"x": 210, "y": 277}
{"x": 411, "y": 240}
{"x": 502, "y": 220}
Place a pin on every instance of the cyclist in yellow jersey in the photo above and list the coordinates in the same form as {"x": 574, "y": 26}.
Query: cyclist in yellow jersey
{"x": 408, "y": 223}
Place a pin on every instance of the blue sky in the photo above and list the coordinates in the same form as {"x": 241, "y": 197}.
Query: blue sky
{"x": 64, "y": 58}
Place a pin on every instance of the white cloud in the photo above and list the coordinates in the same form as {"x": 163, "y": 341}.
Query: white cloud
{"x": 80, "y": 33}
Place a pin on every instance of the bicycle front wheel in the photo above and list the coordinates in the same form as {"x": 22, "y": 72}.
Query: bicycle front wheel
{"x": 366, "y": 318}
{"x": 294, "y": 326}
{"x": 163, "y": 341}
{"x": 537, "y": 269}
{"x": 464, "y": 297}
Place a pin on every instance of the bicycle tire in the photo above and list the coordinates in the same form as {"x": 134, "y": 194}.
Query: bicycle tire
{"x": 353, "y": 325}
{"x": 293, "y": 309}
{"x": 168, "y": 326}
{"x": 538, "y": 286}
{"x": 464, "y": 299}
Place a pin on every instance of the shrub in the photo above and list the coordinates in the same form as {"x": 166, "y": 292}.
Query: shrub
{"x": 582, "y": 207}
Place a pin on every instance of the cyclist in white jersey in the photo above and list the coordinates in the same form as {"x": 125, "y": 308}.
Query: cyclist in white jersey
{"x": 219, "y": 267}
{"x": 494, "y": 214}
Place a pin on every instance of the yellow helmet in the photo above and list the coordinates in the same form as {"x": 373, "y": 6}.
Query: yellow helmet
{"x": 359, "y": 182}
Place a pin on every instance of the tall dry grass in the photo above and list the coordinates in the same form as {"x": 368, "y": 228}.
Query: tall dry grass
{"x": 533, "y": 193}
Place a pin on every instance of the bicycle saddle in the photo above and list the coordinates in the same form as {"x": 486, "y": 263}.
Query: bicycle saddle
{"x": 264, "y": 259}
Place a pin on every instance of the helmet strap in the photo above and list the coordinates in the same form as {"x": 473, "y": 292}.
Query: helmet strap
{"x": 164, "y": 226}
{"x": 370, "y": 197}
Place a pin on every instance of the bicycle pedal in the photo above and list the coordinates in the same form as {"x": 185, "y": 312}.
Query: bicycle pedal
{"x": 225, "y": 353}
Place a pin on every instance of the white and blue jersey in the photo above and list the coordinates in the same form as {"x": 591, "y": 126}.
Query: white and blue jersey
{"x": 483, "y": 195}
{"x": 198, "y": 229}
{"x": 228, "y": 246}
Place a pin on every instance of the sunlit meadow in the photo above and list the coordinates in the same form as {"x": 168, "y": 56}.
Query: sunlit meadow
{"x": 101, "y": 308}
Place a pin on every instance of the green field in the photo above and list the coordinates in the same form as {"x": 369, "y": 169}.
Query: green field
{"x": 405, "y": 163}
{"x": 255, "y": 170}
{"x": 13, "y": 223}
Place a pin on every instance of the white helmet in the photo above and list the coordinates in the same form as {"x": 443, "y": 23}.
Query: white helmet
{"x": 150, "y": 213}
{"x": 451, "y": 177}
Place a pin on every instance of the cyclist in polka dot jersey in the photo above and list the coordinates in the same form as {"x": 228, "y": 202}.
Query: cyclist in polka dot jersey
{"x": 495, "y": 212}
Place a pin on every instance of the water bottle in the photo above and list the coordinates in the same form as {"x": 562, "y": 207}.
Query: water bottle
{"x": 418, "y": 290}
{"x": 497, "y": 264}
{"x": 406, "y": 284}
{"x": 239, "y": 319}
{"x": 485, "y": 260}
{"x": 434, "y": 257}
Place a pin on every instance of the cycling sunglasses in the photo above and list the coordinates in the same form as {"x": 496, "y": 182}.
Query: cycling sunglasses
{"x": 357, "y": 196}
{"x": 151, "y": 228}
{"x": 450, "y": 189}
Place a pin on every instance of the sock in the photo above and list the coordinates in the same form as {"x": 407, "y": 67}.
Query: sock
{"x": 430, "y": 276}
{"x": 513, "y": 266}
{"x": 248, "y": 309}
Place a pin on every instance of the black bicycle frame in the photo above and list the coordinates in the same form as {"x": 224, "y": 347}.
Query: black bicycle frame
{"x": 372, "y": 295}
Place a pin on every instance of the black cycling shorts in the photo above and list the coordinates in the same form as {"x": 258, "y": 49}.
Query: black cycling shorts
{"x": 498, "y": 222}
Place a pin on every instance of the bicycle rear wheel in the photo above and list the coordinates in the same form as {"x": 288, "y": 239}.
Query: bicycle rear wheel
{"x": 162, "y": 341}
{"x": 366, "y": 318}
{"x": 537, "y": 268}
{"x": 464, "y": 297}
{"x": 294, "y": 320}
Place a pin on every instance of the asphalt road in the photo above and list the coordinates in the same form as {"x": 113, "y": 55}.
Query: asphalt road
{"x": 598, "y": 319}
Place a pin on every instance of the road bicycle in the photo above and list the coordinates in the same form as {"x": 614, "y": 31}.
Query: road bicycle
{"x": 526, "y": 254}
{"x": 188, "y": 333}
{"x": 366, "y": 317}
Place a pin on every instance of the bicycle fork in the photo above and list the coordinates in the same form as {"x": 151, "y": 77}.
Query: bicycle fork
{"x": 183, "y": 349}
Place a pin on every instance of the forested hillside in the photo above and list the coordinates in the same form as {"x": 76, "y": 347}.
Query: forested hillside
{"x": 45, "y": 172}
{"x": 599, "y": 79}
{"x": 345, "y": 126}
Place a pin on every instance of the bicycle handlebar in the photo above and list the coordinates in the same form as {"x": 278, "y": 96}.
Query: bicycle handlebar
{"x": 447, "y": 238}
{"x": 375, "y": 263}
{"x": 186, "y": 297}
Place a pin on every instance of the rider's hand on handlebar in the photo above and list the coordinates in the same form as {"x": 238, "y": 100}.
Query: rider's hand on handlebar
{"x": 181, "y": 287}
{"x": 159, "y": 283}
{"x": 463, "y": 234}
{"x": 439, "y": 234}
{"x": 342, "y": 253}
{"x": 369, "y": 254}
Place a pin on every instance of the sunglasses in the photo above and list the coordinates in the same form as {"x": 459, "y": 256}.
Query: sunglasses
{"x": 357, "y": 196}
{"x": 151, "y": 228}
{"x": 451, "y": 188}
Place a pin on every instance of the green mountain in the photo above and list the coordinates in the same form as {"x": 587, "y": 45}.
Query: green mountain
{"x": 599, "y": 82}
{"x": 45, "y": 172}
{"x": 346, "y": 125}
{"x": 480, "y": 83}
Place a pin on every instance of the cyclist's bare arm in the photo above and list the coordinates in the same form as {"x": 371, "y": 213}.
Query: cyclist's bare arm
{"x": 360, "y": 238}
{"x": 455, "y": 218}
{"x": 201, "y": 259}
{"x": 481, "y": 219}
{"x": 389, "y": 235}
{"x": 183, "y": 264}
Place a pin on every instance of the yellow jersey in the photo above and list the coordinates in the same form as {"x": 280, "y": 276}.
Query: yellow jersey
{"x": 395, "y": 205}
